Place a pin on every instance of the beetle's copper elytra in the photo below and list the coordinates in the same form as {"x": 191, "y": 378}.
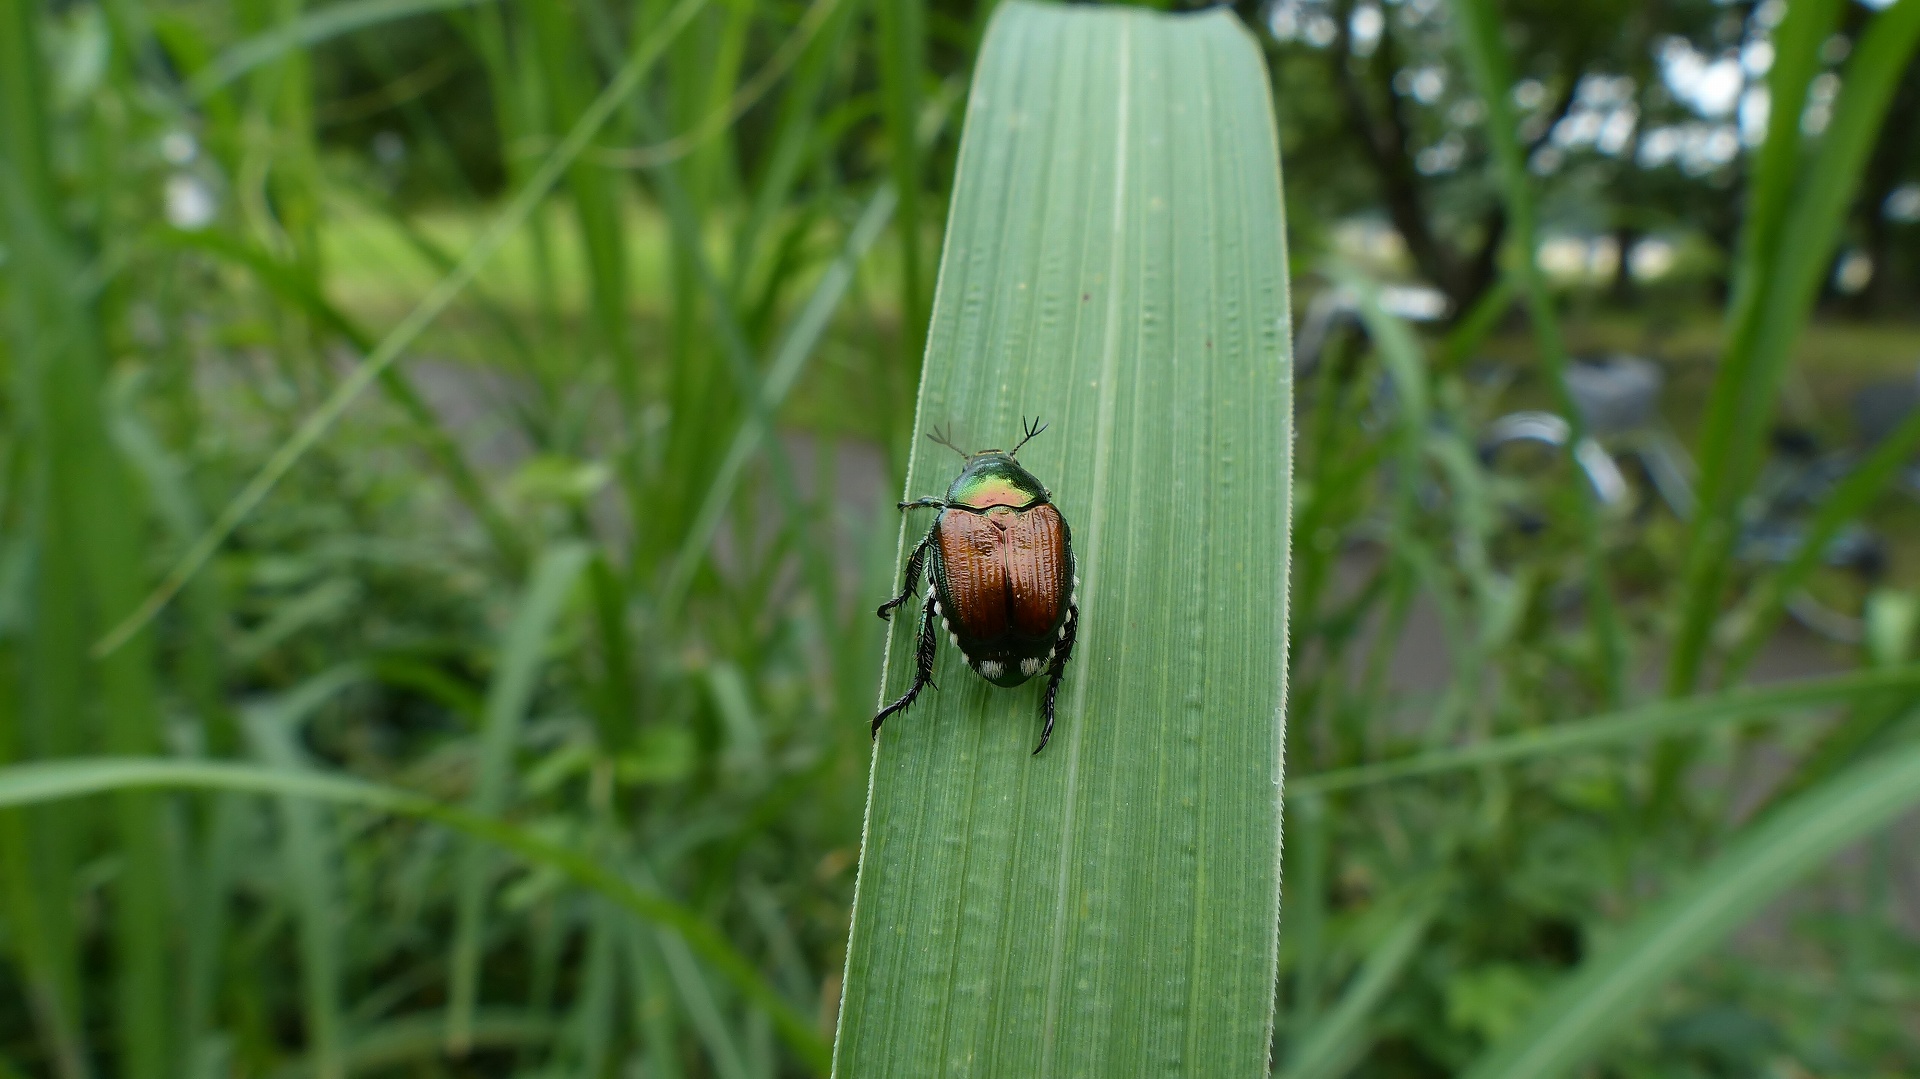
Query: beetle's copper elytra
{"x": 998, "y": 561}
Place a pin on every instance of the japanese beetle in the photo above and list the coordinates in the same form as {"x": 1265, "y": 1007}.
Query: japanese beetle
{"x": 1001, "y": 577}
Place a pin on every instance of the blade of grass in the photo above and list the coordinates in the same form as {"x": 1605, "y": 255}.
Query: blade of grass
{"x": 657, "y": 1019}
{"x": 94, "y": 526}
{"x": 1482, "y": 48}
{"x": 723, "y": 116}
{"x": 1115, "y": 262}
{"x": 1305, "y": 924}
{"x": 750, "y": 385}
{"x": 1847, "y": 502}
{"x": 1868, "y": 723}
{"x": 35, "y": 847}
{"x": 1474, "y": 326}
{"x": 279, "y": 196}
{"x": 209, "y": 920}
{"x": 702, "y": 1011}
{"x": 36, "y": 933}
{"x": 49, "y": 982}
{"x": 42, "y": 855}
{"x": 789, "y": 362}
{"x": 1342, "y": 455}
{"x": 1802, "y": 33}
{"x": 900, "y": 45}
{"x": 397, "y": 340}
{"x": 569, "y": 92}
{"x": 1664, "y": 718}
{"x": 291, "y": 286}
{"x": 1575, "y": 1019}
{"x": 1403, "y": 361}
{"x": 501, "y": 326}
{"x": 797, "y": 136}
{"x": 308, "y": 855}
{"x": 592, "y": 1022}
{"x": 416, "y": 1039}
{"x": 306, "y": 31}
{"x": 1809, "y": 233}
{"x": 1878, "y": 64}
{"x": 1337, "y": 1041}
{"x": 36, "y": 784}
{"x": 1317, "y": 498}
{"x": 522, "y": 654}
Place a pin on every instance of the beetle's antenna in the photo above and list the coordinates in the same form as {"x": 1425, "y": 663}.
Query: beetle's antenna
{"x": 940, "y": 437}
{"x": 1028, "y": 430}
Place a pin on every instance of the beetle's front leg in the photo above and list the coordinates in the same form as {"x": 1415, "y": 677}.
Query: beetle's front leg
{"x": 1062, "y": 652}
{"x": 914, "y": 563}
{"x": 923, "y": 667}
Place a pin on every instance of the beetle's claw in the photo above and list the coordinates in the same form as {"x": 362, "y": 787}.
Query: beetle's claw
{"x": 885, "y": 610}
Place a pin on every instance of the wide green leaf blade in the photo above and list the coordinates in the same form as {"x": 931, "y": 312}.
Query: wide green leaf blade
{"x": 1115, "y": 264}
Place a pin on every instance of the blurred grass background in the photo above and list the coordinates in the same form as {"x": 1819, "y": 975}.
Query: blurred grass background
{"x": 598, "y": 551}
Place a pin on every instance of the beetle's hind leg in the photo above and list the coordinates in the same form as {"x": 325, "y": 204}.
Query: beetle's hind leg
{"x": 1062, "y": 652}
{"x": 923, "y": 667}
{"x": 915, "y": 562}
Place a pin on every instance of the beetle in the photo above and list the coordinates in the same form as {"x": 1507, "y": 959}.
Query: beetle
{"x": 1001, "y": 577}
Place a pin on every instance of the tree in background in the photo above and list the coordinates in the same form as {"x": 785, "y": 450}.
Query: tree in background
{"x": 1638, "y": 118}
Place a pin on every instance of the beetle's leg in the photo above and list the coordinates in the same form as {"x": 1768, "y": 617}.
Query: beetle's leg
{"x": 923, "y": 667}
{"x": 914, "y": 563}
{"x": 928, "y": 501}
{"x": 1061, "y": 653}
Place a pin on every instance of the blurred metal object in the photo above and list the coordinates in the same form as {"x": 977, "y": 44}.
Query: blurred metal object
{"x": 1628, "y": 448}
{"x": 1619, "y": 398}
{"x": 1616, "y": 394}
{"x": 1549, "y": 429}
{"x": 1879, "y": 408}
{"x": 1338, "y": 307}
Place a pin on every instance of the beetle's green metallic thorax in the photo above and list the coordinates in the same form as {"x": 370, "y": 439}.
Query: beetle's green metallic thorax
{"x": 996, "y": 479}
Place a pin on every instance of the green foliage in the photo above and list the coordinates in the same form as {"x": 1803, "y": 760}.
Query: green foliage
{"x": 1793, "y": 231}
{"x": 38, "y": 784}
{"x": 1524, "y": 862}
{"x": 1697, "y": 917}
{"x": 445, "y": 459}
{"x": 298, "y": 570}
